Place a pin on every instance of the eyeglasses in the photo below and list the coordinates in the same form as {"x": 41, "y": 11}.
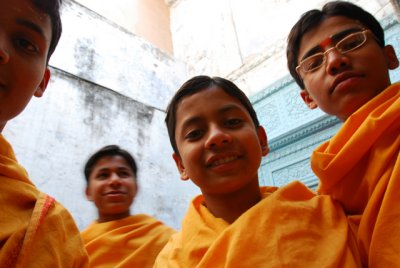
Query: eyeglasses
{"x": 349, "y": 43}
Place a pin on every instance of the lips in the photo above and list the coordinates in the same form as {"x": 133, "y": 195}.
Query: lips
{"x": 221, "y": 159}
{"x": 342, "y": 78}
{"x": 115, "y": 193}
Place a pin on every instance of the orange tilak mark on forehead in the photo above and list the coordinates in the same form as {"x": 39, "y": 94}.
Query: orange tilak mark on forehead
{"x": 328, "y": 41}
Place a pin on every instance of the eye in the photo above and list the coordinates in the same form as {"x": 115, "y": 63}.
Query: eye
{"x": 102, "y": 176}
{"x": 351, "y": 42}
{"x": 26, "y": 45}
{"x": 194, "y": 134}
{"x": 124, "y": 174}
{"x": 313, "y": 62}
{"x": 233, "y": 122}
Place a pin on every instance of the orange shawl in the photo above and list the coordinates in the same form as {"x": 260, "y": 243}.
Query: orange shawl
{"x": 35, "y": 231}
{"x": 360, "y": 167}
{"x": 290, "y": 227}
{"x": 134, "y": 241}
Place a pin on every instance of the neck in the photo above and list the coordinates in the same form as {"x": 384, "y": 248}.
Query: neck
{"x": 113, "y": 217}
{"x": 231, "y": 206}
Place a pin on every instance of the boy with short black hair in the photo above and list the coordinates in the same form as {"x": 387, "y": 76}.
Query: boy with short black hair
{"x": 338, "y": 57}
{"x": 218, "y": 144}
{"x": 117, "y": 238}
{"x": 36, "y": 231}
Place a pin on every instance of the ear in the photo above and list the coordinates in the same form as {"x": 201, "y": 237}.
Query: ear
{"x": 262, "y": 136}
{"x": 308, "y": 99}
{"x": 393, "y": 61}
{"x": 43, "y": 84}
{"x": 181, "y": 168}
{"x": 88, "y": 194}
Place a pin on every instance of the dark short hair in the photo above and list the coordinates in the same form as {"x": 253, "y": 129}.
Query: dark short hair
{"x": 197, "y": 84}
{"x": 312, "y": 18}
{"x": 52, "y": 9}
{"x": 109, "y": 150}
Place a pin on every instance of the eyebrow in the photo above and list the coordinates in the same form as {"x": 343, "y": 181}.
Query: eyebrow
{"x": 336, "y": 37}
{"x": 32, "y": 26}
{"x": 223, "y": 109}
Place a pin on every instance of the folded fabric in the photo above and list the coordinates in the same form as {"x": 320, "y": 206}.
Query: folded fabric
{"x": 360, "y": 168}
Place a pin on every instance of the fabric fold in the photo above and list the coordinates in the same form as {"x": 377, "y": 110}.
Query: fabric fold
{"x": 134, "y": 241}
{"x": 290, "y": 227}
{"x": 360, "y": 168}
{"x": 35, "y": 230}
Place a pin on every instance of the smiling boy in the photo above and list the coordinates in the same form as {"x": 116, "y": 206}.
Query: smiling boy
{"x": 339, "y": 59}
{"x": 218, "y": 144}
{"x": 35, "y": 231}
{"x": 118, "y": 239}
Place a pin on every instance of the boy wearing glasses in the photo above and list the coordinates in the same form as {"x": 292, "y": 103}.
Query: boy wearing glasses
{"x": 339, "y": 59}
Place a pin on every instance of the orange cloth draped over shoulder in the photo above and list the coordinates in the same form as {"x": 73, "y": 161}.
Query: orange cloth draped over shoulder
{"x": 35, "y": 230}
{"x": 360, "y": 167}
{"x": 134, "y": 241}
{"x": 290, "y": 227}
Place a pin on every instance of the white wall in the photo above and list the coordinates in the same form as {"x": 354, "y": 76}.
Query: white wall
{"x": 244, "y": 41}
{"x": 107, "y": 87}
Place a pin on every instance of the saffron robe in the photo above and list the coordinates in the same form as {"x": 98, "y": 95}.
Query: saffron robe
{"x": 134, "y": 241}
{"x": 35, "y": 230}
{"x": 290, "y": 227}
{"x": 360, "y": 167}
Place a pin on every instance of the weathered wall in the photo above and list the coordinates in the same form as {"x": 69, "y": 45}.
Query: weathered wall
{"x": 294, "y": 130}
{"x": 146, "y": 18}
{"x": 244, "y": 41}
{"x": 107, "y": 87}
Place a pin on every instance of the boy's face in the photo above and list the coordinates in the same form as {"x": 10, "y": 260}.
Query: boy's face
{"x": 220, "y": 148}
{"x": 344, "y": 82}
{"x": 112, "y": 186}
{"x": 25, "y": 35}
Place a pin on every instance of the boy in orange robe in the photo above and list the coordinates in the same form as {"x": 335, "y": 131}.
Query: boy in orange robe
{"x": 218, "y": 144}
{"x": 339, "y": 59}
{"x": 117, "y": 238}
{"x": 35, "y": 230}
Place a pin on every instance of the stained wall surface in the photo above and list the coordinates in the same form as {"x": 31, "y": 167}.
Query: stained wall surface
{"x": 111, "y": 86}
{"x": 108, "y": 86}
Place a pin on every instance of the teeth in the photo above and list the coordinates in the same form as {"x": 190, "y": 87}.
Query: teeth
{"x": 224, "y": 160}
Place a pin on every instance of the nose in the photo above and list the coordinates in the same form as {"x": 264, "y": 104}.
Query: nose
{"x": 114, "y": 179}
{"x": 4, "y": 55}
{"x": 217, "y": 137}
{"x": 335, "y": 61}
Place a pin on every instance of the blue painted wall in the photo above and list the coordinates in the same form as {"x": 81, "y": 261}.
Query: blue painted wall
{"x": 294, "y": 131}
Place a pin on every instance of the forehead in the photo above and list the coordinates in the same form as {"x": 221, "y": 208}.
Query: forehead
{"x": 326, "y": 28}
{"x": 24, "y": 11}
{"x": 211, "y": 99}
{"x": 110, "y": 161}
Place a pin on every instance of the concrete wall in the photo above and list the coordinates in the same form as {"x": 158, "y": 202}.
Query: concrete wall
{"x": 146, "y": 18}
{"x": 108, "y": 86}
{"x": 244, "y": 41}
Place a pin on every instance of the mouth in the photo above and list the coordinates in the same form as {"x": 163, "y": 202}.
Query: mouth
{"x": 111, "y": 193}
{"x": 343, "y": 78}
{"x": 217, "y": 161}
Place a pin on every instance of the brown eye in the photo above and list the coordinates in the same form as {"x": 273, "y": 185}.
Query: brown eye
{"x": 194, "y": 134}
{"x": 233, "y": 122}
{"x": 26, "y": 45}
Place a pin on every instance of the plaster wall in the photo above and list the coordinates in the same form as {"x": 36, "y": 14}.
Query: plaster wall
{"x": 108, "y": 86}
{"x": 146, "y": 18}
{"x": 244, "y": 41}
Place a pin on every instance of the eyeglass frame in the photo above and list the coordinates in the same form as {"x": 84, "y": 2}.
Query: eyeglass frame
{"x": 362, "y": 31}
